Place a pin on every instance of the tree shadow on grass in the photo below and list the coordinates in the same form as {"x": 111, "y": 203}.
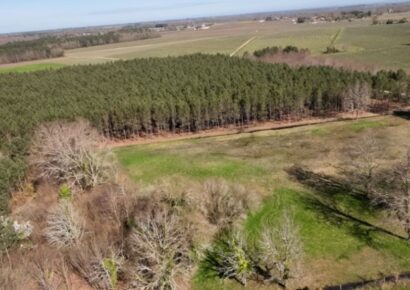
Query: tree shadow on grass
{"x": 325, "y": 203}
{"x": 333, "y": 190}
{"x": 404, "y": 114}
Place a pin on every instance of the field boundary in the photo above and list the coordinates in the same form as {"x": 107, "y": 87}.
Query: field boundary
{"x": 392, "y": 279}
{"x": 336, "y": 37}
{"x": 234, "y": 130}
{"x": 242, "y": 46}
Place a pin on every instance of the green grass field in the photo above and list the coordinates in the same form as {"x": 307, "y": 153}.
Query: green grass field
{"x": 383, "y": 46}
{"x": 337, "y": 249}
{"x": 30, "y": 67}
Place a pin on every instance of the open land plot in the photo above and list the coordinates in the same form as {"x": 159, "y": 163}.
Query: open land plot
{"x": 30, "y": 67}
{"x": 384, "y": 46}
{"x": 337, "y": 249}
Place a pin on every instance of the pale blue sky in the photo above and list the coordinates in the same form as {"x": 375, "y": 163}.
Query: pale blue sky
{"x": 28, "y": 15}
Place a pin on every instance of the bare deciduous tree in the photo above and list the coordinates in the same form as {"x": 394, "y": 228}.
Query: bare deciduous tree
{"x": 397, "y": 195}
{"x": 280, "y": 252}
{"x": 68, "y": 153}
{"x": 363, "y": 160}
{"x": 160, "y": 245}
{"x": 64, "y": 225}
{"x": 356, "y": 97}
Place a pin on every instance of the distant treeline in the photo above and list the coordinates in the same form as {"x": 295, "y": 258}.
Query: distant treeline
{"x": 271, "y": 50}
{"x": 29, "y": 50}
{"x": 49, "y": 47}
{"x": 190, "y": 93}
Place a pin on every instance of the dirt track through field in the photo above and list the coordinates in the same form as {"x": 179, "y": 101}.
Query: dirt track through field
{"x": 243, "y": 45}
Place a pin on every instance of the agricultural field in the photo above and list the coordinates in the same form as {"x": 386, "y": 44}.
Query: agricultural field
{"x": 385, "y": 46}
{"x": 344, "y": 238}
{"x": 30, "y": 68}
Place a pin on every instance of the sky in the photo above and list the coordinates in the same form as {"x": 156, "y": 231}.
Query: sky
{"x": 32, "y": 15}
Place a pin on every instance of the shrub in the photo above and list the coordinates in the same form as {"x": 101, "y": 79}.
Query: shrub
{"x": 64, "y": 226}
{"x": 230, "y": 258}
{"x": 12, "y": 233}
{"x": 280, "y": 251}
{"x": 275, "y": 258}
{"x": 389, "y": 21}
{"x": 159, "y": 245}
{"x": 331, "y": 49}
{"x": 224, "y": 203}
{"x": 68, "y": 153}
{"x": 65, "y": 192}
{"x": 97, "y": 265}
{"x": 301, "y": 19}
{"x": 290, "y": 48}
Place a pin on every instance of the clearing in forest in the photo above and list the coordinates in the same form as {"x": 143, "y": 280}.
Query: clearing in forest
{"x": 344, "y": 238}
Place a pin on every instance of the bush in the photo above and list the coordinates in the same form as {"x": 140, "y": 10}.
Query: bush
{"x": 275, "y": 258}
{"x": 159, "y": 246}
{"x": 97, "y": 265}
{"x": 389, "y": 21}
{"x": 224, "y": 203}
{"x": 65, "y": 192}
{"x": 331, "y": 49}
{"x": 280, "y": 251}
{"x": 68, "y": 153}
{"x": 12, "y": 233}
{"x": 290, "y": 48}
{"x": 231, "y": 258}
{"x": 64, "y": 226}
{"x": 301, "y": 20}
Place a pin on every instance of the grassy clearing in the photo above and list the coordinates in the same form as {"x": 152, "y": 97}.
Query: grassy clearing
{"x": 30, "y": 68}
{"x": 338, "y": 243}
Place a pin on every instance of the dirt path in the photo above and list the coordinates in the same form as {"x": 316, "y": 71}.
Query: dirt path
{"x": 242, "y": 46}
{"x": 232, "y": 130}
{"x": 336, "y": 37}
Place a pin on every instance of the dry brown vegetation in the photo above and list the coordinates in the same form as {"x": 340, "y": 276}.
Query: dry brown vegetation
{"x": 297, "y": 59}
{"x": 90, "y": 224}
{"x": 67, "y": 153}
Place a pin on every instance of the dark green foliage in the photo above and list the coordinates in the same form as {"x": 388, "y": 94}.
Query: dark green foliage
{"x": 355, "y": 14}
{"x": 290, "y": 48}
{"x": 190, "y": 93}
{"x": 302, "y": 19}
{"x": 11, "y": 170}
{"x": 266, "y": 51}
{"x": 8, "y": 236}
{"x": 272, "y": 50}
{"x": 331, "y": 49}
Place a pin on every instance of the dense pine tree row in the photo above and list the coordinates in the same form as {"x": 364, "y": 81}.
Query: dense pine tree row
{"x": 190, "y": 93}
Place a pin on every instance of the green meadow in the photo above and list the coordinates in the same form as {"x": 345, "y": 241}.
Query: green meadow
{"x": 344, "y": 238}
